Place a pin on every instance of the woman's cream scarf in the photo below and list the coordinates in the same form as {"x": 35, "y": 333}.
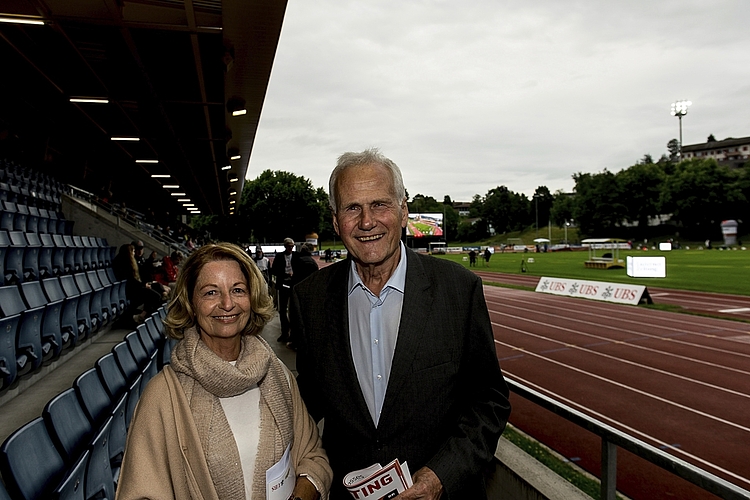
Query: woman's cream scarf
{"x": 205, "y": 378}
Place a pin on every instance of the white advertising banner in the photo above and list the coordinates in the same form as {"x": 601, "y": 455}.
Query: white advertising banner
{"x": 647, "y": 267}
{"x": 598, "y": 290}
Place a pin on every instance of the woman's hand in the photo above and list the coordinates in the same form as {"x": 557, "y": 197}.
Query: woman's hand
{"x": 305, "y": 490}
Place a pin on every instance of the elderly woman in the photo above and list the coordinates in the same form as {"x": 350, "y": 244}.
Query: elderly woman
{"x": 226, "y": 410}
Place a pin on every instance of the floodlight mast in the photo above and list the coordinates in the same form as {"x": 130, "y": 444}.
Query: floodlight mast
{"x": 680, "y": 109}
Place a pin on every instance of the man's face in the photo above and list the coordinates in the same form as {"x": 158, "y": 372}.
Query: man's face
{"x": 288, "y": 247}
{"x": 368, "y": 218}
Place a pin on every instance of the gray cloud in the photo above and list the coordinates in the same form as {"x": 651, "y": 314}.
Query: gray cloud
{"x": 466, "y": 96}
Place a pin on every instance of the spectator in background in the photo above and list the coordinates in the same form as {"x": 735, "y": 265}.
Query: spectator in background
{"x": 264, "y": 267}
{"x": 303, "y": 267}
{"x": 143, "y": 299}
{"x": 472, "y": 258}
{"x": 487, "y": 255}
{"x": 282, "y": 270}
{"x": 169, "y": 269}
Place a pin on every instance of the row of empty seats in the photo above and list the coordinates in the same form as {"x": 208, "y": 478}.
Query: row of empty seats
{"x": 74, "y": 450}
{"x": 20, "y": 217}
{"x": 42, "y": 318}
{"x": 30, "y": 256}
{"x": 29, "y": 187}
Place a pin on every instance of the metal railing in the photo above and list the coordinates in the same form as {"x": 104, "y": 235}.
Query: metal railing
{"x": 613, "y": 438}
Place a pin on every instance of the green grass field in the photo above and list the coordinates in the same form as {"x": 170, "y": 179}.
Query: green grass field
{"x": 722, "y": 271}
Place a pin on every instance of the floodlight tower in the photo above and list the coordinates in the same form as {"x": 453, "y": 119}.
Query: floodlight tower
{"x": 680, "y": 109}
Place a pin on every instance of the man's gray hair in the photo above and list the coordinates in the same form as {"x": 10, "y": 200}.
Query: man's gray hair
{"x": 370, "y": 156}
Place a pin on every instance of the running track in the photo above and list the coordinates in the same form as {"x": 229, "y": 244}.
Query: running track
{"x": 679, "y": 382}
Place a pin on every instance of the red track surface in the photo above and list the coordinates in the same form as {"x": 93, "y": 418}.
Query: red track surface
{"x": 676, "y": 381}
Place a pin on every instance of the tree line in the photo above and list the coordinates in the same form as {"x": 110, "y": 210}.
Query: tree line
{"x": 693, "y": 196}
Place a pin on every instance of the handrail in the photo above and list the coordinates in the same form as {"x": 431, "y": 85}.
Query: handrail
{"x": 612, "y": 438}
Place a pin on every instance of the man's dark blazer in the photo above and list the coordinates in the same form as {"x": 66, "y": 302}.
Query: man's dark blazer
{"x": 446, "y": 403}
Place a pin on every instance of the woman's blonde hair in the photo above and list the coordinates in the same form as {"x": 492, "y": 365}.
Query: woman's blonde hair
{"x": 181, "y": 315}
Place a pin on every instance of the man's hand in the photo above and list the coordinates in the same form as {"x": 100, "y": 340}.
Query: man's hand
{"x": 427, "y": 486}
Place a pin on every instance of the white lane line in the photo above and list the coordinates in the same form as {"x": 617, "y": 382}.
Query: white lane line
{"x": 525, "y": 308}
{"x": 633, "y": 389}
{"x": 628, "y": 344}
{"x": 739, "y": 310}
{"x": 628, "y": 362}
{"x": 623, "y": 426}
{"x": 625, "y": 313}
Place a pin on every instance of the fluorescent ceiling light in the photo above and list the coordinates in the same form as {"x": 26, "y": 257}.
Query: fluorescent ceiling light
{"x": 89, "y": 100}
{"x": 160, "y": 176}
{"x": 21, "y": 20}
{"x": 183, "y": 199}
{"x": 233, "y": 179}
{"x": 239, "y": 112}
{"x": 178, "y": 194}
{"x": 147, "y": 161}
{"x": 232, "y": 193}
{"x": 125, "y": 138}
{"x": 171, "y": 186}
{"x": 235, "y": 157}
{"x": 188, "y": 204}
{"x": 226, "y": 167}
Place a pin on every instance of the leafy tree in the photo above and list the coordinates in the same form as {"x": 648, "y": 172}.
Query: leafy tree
{"x": 472, "y": 230}
{"x": 540, "y": 206}
{"x": 562, "y": 208}
{"x": 711, "y": 138}
{"x": 598, "y": 205}
{"x": 701, "y": 193}
{"x": 641, "y": 187}
{"x": 505, "y": 210}
{"x": 280, "y": 204}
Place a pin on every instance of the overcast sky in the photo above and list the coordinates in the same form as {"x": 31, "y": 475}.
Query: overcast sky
{"x": 467, "y": 96}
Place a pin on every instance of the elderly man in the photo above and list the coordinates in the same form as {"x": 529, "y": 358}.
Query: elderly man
{"x": 396, "y": 350}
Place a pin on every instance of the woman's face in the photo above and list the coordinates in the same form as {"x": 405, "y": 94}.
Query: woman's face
{"x": 221, "y": 301}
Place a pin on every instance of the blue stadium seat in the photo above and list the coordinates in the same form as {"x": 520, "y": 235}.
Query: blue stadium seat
{"x": 8, "y": 366}
{"x": 112, "y": 377}
{"x": 20, "y": 221}
{"x": 90, "y": 253}
{"x": 70, "y": 255}
{"x": 125, "y": 361}
{"x": 72, "y": 486}
{"x": 4, "y": 493}
{"x": 68, "y": 315}
{"x": 31, "y": 257}
{"x": 42, "y": 219}
{"x": 46, "y": 252}
{"x": 95, "y": 300}
{"x": 136, "y": 349}
{"x": 4, "y": 244}
{"x": 78, "y": 254}
{"x": 144, "y": 335}
{"x": 58, "y": 255}
{"x": 114, "y": 293}
{"x": 30, "y": 464}
{"x": 14, "y": 258}
{"x": 29, "y": 350}
{"x": 8, "y": 213}
{"x": 99, "y": 481}
{"x": 83, "y": 310}
{"x": 68, "y": 426}
{"x": 104, "y": 296}
{"x": 49, "y": 326}
{"x": 95, "y": 401}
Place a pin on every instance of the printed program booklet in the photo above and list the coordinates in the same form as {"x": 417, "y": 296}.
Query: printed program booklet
{"x": 378, "y": 483}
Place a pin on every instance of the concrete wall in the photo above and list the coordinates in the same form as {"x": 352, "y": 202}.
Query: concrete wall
{"x": 518, "y": 476}
{"x": 92, "y": 220}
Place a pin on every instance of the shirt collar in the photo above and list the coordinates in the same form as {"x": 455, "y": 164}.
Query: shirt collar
{"x": 397, "y": 281}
